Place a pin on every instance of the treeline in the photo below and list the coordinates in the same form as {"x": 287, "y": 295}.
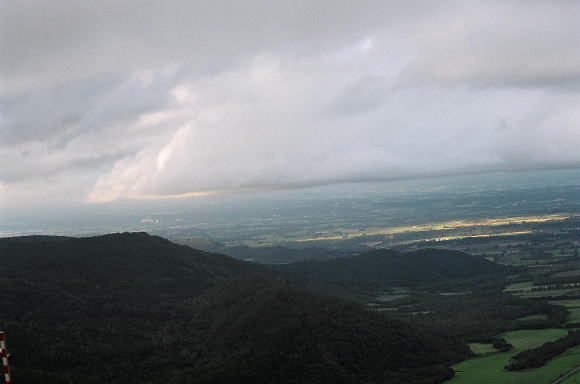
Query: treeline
{"x": 376, "y": 269}
{"x": 556, "y": 317}
{"x": 537, "y": 357}
{"x": 477, "y": 317}
{"x": 501, "y": 345}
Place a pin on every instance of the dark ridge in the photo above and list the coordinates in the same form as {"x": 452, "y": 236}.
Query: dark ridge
{"x": 34, "y": 238}
{"x": 262, "y": 255}
{"x": 114, "y": 261}
{"x": 390, "y": 267}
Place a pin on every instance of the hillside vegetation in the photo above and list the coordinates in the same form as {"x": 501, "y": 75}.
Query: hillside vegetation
{"x": 130, "y": 308}
{"x": 380, "y": 268}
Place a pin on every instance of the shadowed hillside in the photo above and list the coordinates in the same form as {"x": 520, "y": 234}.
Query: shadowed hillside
{"x": 301, "y": 337}
{"x": 129, "y": 308}
{"x": 380, "y": 268}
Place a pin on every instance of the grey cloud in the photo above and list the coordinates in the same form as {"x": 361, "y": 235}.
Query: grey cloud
{"x": 62, "y": 112}
{"x": 508, "y": 43}
{"x": 450, "y": 41}
{"x": 125, "y": 99}
{"x": 66, "y": 39}
{"x": 364, "y": 95}
{"x": 79, "y": 127}
{"x": 28, "y": 166}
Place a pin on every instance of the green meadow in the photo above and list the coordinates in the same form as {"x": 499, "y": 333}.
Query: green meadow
{"x": 523, "y": 340}
{"x": 574, "y": 379}
{"x": 481, "y": 349}
{"x": 490, "y": 369}
{"x": 522, "y": 285}
{"x": 574, "y": 315}
{"x": 387, "y": 297}
{"x": 533, "y": 317}
{"x": 573, "y": 303}
{"x": 548, "y": 293}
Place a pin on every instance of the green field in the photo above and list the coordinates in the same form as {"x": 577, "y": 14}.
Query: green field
{"x": 481, "y": 349}
{"x": 395, "y": 293}
{"x": 567, "y": 303}
{"x": 574, "y": 316}
{"x": 392, "y": 297}
{"x": 489, "y": 369}
{"x": 523, "y": 285}
{"x": 574, "y": 272}
{"x": 533, "y": 317}
{"x": 552, "y": 292}
{"x": 527, "y": 339}
{"x": 574, "y": 379}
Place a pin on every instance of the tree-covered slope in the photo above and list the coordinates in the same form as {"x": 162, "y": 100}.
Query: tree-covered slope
{"x": 276, "y": 333}
{"x": 130, "y": 308}
{"x": 101, "y": 307}
{"x": 385, "y": 267}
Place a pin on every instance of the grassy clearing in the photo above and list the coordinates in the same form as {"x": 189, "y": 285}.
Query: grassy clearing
{"x": 550, "y": 293}
{"x": 481, "y": 349}
{"x": 525, "y": 339}
{"x": 566, "y": 303}
{"x": 490, "y": 369}
{"x": 385, "y": 298}
{"x": 572, "y": 273}
{"x": 533, "y": 317}
{"x": 523, "y": 285}
{"x": 574, "y": 379}
{"x": 574, "y": 316}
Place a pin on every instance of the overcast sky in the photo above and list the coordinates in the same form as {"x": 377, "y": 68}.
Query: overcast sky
{"x": 110, "y": 100}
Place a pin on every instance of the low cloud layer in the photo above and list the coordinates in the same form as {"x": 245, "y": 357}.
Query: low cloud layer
{"x": 106, "y": 101}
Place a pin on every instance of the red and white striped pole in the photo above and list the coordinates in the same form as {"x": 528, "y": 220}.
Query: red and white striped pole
{"x": 4, "y": 353}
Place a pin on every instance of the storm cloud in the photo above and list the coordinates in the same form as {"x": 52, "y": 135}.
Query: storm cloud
{"x": 112, "y": 100}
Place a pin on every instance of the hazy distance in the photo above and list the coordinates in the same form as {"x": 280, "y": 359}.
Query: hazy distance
{"x": 254, "y": 217}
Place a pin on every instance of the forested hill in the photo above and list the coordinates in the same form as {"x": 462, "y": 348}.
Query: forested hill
{"x": 301, "y": 337}
{"x": 130, "y": 308}
{"x": 116, "y": 262}
{"x": 386, "y": 267}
